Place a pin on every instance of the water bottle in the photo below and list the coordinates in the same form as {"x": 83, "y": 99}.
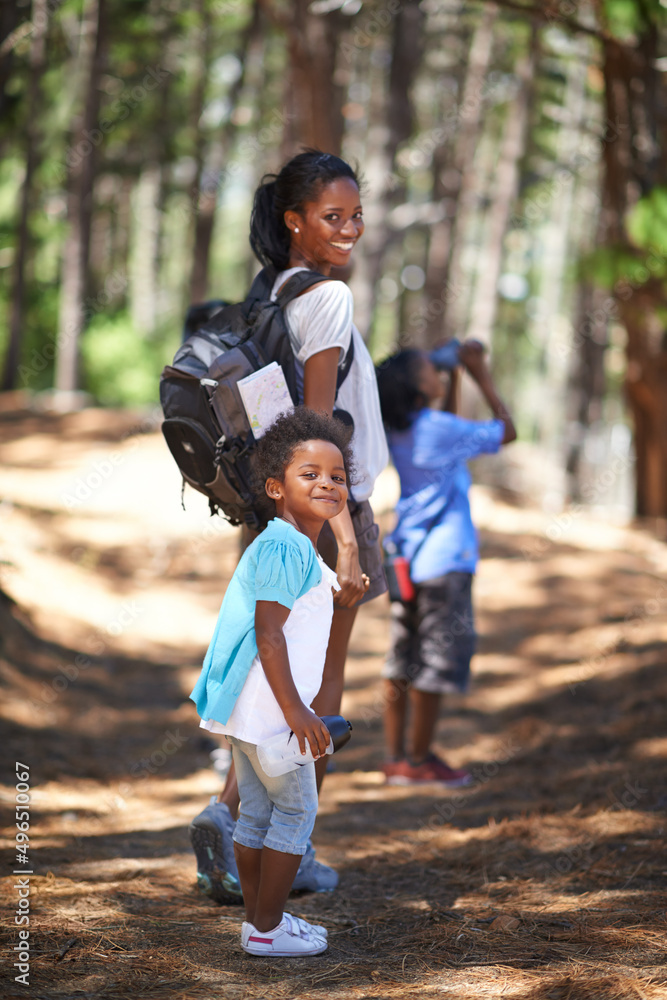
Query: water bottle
{"x": 446, "y": 356}
{"x": 281, "y": 753}
{"x": 397, "y": 572}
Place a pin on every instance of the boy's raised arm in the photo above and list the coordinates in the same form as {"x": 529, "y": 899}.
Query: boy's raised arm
{"x": 472, "y": 357}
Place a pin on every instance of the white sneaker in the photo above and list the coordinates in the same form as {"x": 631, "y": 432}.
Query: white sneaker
{"x": 247, "y": 928}
{"x": 317, "y": 928}
{"x": 291, "y": 937}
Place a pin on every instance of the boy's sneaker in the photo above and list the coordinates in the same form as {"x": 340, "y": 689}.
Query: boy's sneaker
{"x": 430, "y": 771}
{"x": 453, "y": 777}
{"x": 313, "y": 876}
{"x": 211, "y": 836}
{"x": 291, "y": 938}
{"x": 394, "y": 769}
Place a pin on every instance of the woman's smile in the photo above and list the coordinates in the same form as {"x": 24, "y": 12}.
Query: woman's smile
{"x": 345, "y": 247}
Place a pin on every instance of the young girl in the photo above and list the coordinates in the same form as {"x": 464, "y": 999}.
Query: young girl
{"x": 264, "y": 667}
{"x": 433, "y": 635}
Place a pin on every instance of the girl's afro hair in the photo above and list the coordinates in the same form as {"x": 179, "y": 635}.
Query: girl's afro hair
{"x": 276, "y": 447}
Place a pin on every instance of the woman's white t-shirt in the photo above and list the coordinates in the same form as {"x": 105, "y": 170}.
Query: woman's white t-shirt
{"x": 257, "y": 716}
{"x": 318, "y": 320}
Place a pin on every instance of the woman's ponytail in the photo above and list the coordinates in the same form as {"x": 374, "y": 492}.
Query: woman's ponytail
{"x": 269, "y": 236}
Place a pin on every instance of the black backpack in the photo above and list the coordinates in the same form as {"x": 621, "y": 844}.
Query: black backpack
{"x": 206, "y": 427}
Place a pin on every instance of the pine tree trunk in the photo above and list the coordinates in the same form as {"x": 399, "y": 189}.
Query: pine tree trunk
{"x": 210, "y": 163}
{"x": 407, "y": 43}
{"x": 33, "y": 106}
{"x": 11, "y": 31}
{"x": 72, "y": 314}
{"x": 444, "y": 275}
{"x": 313, "y": 99}
{"x": 586, "y": 380}
{"x": 635, "y": 158}
{"x": 484, "y": 305}
{"x": 143, "y": 270}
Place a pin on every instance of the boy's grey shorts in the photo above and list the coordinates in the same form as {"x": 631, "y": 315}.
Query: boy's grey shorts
{"x": 370, "y": 555}
{"x": 433, "y": 637}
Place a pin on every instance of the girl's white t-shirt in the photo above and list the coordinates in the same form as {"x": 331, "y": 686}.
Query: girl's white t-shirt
{"x": 319, "y": 319}
{"x": 257, "y": 716}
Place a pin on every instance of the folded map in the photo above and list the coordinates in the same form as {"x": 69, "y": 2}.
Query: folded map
{"x": 265, "y": 395}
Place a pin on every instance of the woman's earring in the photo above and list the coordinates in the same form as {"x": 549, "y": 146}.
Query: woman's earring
{"x": 296, "y": 229}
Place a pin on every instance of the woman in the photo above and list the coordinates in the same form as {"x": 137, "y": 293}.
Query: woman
{"x": 309, "y": 216}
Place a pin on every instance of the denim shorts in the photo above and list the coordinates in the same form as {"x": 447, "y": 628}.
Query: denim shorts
{"x": 433, "y": 637}
{"x": 275, "y": 812}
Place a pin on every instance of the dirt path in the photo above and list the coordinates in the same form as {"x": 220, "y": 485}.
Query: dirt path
{"x": 544, "y": 880}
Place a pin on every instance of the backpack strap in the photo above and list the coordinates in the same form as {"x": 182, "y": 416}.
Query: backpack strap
{"x": 291, "y": 290}
{"x": 297, "y": 284}
{"x": 260, "y": 290}
{"x": 344, "y": 369}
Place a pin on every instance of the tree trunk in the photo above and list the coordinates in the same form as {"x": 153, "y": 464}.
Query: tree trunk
{"x": 484, "y": 303}
{"x": 143, "y": 268}
{"x": 72, "y": 315}
{"x": 12, "y": 31}
{"x": 398, "y": 113}
{"x": 313, "y": 99}
{"x": 635, "y": 162}
{"x": 646, "y": 386}
{"x": 210, "y": 162}
{"x": 202, "y": 230}
{"x": 33, "y": 106}
{"x": 586, "y": 381}
{"x": 444, "y": 276}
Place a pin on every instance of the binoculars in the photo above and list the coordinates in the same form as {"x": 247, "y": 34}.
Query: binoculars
{"x": 446, "y": 356}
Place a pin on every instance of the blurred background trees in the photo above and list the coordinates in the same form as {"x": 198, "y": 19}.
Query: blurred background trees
{"x": 515, "y": 160}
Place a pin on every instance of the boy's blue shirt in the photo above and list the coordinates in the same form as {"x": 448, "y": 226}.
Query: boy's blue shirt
{"x": 434, "y": 529}
{"x": 280, "y": 565}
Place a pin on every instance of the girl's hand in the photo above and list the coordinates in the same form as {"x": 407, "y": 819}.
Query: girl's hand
{"x": 307, "y": 726}
{"x": 353, "y": 583}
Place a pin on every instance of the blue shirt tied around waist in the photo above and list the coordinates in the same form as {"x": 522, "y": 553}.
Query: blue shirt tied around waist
{"x": 434, "y": 530}
{"x": 280, "y": 565}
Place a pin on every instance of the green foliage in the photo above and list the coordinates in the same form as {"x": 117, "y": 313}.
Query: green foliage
{"x": 121, "y": 367}
{"x": 627, "y": 18}
{"x": 607, "y": 266}
{"x": 647, "y": 221}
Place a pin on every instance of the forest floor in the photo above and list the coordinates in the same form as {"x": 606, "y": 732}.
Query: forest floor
{"x": 545, "y": 880}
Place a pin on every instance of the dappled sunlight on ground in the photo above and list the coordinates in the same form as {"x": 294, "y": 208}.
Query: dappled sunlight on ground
{"x": 541, "y": 881}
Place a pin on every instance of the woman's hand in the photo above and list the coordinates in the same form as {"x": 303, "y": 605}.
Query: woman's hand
{"x": 353, "y": 583}
{"x": 307, "y": 726}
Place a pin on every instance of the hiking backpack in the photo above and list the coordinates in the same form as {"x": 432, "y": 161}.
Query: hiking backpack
{"x": 206, "y": 426}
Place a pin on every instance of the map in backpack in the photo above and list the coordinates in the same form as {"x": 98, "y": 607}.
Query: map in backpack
{"x": 265, "y": 395}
